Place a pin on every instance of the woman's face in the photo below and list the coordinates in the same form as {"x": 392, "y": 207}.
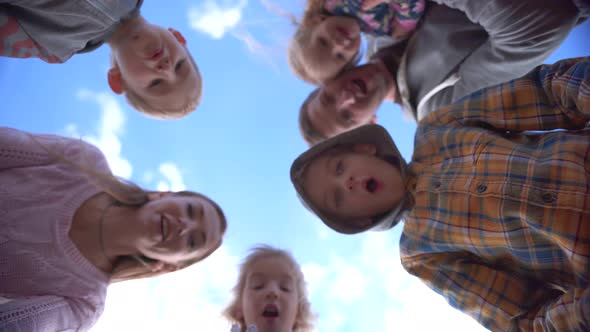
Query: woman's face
{"x": 175, "y": 229}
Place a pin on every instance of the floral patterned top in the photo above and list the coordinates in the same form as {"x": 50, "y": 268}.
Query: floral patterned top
{"x": 393, "y": 18}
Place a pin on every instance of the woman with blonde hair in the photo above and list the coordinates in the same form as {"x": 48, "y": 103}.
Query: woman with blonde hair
{"x": 270, "y": 294}
{"x": 70, "y": 228}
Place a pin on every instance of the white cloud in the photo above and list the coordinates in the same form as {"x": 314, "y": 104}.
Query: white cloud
{"x": 173, "y": 178}
{"x": 374, "y": 277}
{"x": 188, "y": 300}
{"x": 111, "y": 125}
{"x": 215, "y": 20}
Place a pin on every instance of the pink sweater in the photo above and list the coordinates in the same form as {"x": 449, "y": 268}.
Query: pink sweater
{"x": 51, "y": 285}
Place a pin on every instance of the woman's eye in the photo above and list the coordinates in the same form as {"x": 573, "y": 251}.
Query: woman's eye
{"x": 340, "y": 57}
{"x": 286, "y": 289}
{"x": 339, "y": 168}
{"x": 323, "y": 42}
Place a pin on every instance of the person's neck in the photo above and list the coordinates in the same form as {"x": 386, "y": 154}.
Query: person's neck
{"x": 119, "y": 238}
{"x": 392, "y": 94}
{"x": 124, "y": 30}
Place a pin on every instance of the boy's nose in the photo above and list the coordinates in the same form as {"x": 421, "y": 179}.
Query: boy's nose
{"x": 351, "y": 183}
{"x": 163, "y": 64}
{"x": 346, "y": 98}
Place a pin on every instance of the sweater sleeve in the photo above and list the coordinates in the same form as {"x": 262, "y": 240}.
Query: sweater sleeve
{"x": 22, "y": 149}
{"x": 46, "y": 313}
{"x": 522, "y": 34}
{"x": 500, "y": 300}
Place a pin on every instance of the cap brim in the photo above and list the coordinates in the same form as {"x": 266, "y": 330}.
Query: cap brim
{"x": 368, "y": 134}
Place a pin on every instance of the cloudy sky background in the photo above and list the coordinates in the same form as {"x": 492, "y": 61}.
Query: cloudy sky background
{"x": 236, "y": 148}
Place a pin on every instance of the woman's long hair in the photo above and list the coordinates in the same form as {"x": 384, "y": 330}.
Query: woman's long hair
{"x": 127, "y": 193}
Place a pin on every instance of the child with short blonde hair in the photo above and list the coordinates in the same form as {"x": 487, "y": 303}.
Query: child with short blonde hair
{"x": 150, "y": 65}
{"x": 270, "y": 293}
{"x": 327, "y": 39}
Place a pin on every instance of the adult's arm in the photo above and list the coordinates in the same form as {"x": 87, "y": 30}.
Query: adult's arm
{"x": 46, "y": 313}
{"x": 522, "y": 34}
{"x": 14, "y": 41}
{"x": 501, "y": 300}
{"x": 23, "y": 149}
{"x": 549, "y": 97}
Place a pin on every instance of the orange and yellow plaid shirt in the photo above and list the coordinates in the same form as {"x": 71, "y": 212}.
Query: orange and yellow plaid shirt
{"x": 501, "y": 219}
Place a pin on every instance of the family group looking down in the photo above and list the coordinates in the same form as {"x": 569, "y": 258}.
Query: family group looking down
{"x": 494, "y": 201}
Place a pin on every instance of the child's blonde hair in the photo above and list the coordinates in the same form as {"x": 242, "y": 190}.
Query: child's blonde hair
{"x": 295, "y": 53}
{"x": 141, "y": 105}
{"x": 304, "y": 318}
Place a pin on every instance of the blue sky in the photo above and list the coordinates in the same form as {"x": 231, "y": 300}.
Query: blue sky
{"x": 236, "y": 148}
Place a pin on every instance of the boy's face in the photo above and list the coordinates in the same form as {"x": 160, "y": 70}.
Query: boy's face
{"x": 154, "y": 63}
{"x": 334, "y": 42}
{"x": 270, "y": 299}
{"x": 353, "y": 183}
{"x": 350, "y": 100}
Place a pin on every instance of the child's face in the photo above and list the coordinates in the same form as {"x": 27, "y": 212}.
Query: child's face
{"x": 154, "y": 63}
{"x": 353, "y": 183}
{"x": 350, "y": 100}
{"x": 333, "y": 43}
{"x": 270, "y": 299}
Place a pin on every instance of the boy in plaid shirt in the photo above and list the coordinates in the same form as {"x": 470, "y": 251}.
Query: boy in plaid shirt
{"x": 494, "y": 214}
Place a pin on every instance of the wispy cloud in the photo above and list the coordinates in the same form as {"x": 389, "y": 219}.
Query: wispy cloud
{"x": 110, "y": 128}
{"x": 376, "y": 275}
{"x": 188, "y": 300}
{"x": 214, "y": 19}
{"x": 173, "y": 180}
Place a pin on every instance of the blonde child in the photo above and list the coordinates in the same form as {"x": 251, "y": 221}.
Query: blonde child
{"x": 327, "y": 39}
{"x": 270, "y": 294}
{"x": 150, "y": 65}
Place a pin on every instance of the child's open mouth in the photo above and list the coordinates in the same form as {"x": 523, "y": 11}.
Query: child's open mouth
{"x": 372, "y": 185}
{"x": 360, "y": 87}
{"x": 270, "y": 311}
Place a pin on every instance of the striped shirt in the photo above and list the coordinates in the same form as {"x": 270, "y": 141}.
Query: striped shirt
{"x": 501, "y": 199}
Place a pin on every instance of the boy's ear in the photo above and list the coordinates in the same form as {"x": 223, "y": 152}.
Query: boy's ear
{"x": 365, "y": 148}
{"x": 178, "y": 36}
{"x": 115, "y": 80}
{"x": 373, "y": 119}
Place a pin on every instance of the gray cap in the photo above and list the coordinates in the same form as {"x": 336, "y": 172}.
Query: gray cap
{"x": 386, "y": 149}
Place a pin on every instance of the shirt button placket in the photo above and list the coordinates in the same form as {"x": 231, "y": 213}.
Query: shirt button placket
{"x": 549, "y": 197}
{"x": 481, "y": 188}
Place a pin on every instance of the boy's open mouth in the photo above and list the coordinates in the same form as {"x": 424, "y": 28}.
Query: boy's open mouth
{"x": 360, "y": 87}
{"x": 270, "y": 311}
{"x": 372, "y": 185}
